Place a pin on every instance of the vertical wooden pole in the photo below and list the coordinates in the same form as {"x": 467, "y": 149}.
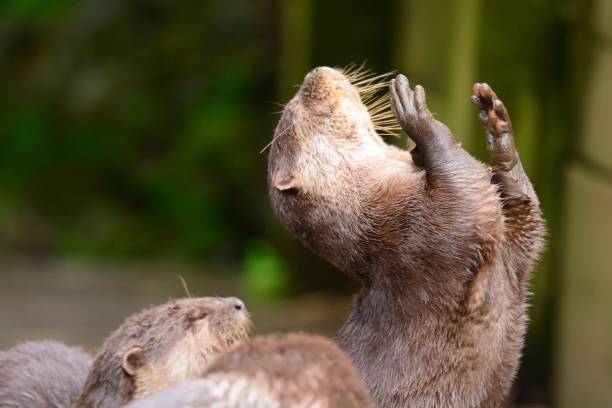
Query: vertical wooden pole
{"x": 584, "y": 352}
{"x": 296, "y": 31}
{"x": 444, "y": 59}
{"x": 462, "y": 68}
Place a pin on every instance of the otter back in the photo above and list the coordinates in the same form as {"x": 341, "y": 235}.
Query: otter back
{"x": 42, "y": 374}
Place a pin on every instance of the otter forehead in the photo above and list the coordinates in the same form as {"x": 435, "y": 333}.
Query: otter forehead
{"x": 163, "y": 324}
{"x": 212, "y": 304}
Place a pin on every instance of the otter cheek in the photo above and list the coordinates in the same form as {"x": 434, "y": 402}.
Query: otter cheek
{"x": 232, "y": 329}
{"x": 149, "y": 380}
{"x": 244, "y": 327}
{"x": 204, "y": 336}
{"x": 186, "y": 360}
{"x": 176, "y": 369}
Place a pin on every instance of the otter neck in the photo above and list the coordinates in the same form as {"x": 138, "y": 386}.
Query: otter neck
{"x": 106, "y": 393}
{"x": 412, "y": 292}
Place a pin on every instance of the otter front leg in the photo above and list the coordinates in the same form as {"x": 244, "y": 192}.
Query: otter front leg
{"x": 523, "y": 220}
{"x": 507, "y": 168}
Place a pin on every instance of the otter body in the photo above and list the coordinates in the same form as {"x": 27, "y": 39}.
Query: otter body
{"x": 442, "y": 244}
{"x": 42, "y": 374}
{"x": 294, "y": 370}
{"x": 162, "y": 346}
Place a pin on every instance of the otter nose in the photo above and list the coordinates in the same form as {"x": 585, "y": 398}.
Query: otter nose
{"x": 320, "y": 82}
{"x": 236, "y": 303}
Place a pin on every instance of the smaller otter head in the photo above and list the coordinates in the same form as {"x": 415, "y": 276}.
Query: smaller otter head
{"x": 163, "y": 345}
{"x": 328, "y": 166}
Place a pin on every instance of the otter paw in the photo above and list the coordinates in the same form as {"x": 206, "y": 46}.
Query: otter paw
{"x": 410, "y": 108}
{"x": 496, "y": 121}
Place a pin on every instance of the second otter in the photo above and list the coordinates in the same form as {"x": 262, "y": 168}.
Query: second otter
{"x": 275, "y": 371}
{"x": 161, "y": 346}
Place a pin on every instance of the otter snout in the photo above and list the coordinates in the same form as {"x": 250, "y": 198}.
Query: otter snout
{"x": 320, "y": 83}
{"x": 236, "y": 303}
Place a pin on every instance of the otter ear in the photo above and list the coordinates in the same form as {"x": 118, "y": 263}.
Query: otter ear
{"x": 133, "y": 360}
{"x": 284, "y": 180}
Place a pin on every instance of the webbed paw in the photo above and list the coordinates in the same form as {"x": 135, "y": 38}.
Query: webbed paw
{"x": 496, "y": 121}
{"x": 410, "y": 108}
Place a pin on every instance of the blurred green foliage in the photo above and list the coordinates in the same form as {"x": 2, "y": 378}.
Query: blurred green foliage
{"x": 134, "y": 127}
{"x": 264, "y": 272}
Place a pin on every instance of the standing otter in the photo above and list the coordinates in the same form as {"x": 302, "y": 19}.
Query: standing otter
{"x": 294, "y": 370}
{"x": 161, "y": 346}
{"x": 42, "y": 374}
{"x": 444, "y": 255}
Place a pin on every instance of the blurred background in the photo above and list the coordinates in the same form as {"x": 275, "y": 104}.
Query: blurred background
{"x": 130, "y": 139}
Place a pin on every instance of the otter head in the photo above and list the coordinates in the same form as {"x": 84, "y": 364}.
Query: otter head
{"x": 327, "y": 165}
{"x": 163, "y": 345}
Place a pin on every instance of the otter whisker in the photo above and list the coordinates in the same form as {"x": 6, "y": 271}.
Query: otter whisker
{"x": 379, "y": 108}
{"x": 366, "y": 79}
{"x": 274, "y": 139}
{"x": 369, "y": 80}
{"x": 378, "y": 104}
{"x": 387, "y": 123}
{"x": 369, "y": 89}
{"x": 282, "y": 105}
{"x": 367, "y": 96}
{"x": 184, "y": 283}
{"x": 352, "y": 71}
{"x": 383, "y": 116}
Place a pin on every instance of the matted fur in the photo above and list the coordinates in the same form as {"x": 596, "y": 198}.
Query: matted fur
{"x": 443, "y": 253}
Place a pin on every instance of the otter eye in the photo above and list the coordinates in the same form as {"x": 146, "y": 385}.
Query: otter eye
{"x": 197, "y": 316}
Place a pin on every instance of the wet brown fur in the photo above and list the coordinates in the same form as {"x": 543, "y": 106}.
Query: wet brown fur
{"x": 444, "y": 254}
{"x": 297, "y": 370}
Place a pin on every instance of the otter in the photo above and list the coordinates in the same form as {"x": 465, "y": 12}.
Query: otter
{"x": 292, "y": 370}
{"x": 42, "y": 374}
{"x": 162, "y": 346}
{"x": 442, "y": 244}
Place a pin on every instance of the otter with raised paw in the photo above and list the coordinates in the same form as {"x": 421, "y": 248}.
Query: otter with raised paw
{"x": 162, "y": 346}
{"x": 292, "y": 370}
{"x": 442, "y": 244}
